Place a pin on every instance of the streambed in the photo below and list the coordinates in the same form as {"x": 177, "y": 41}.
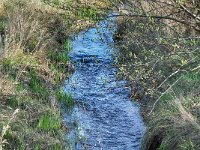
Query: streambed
{"x": 104, "y": 117}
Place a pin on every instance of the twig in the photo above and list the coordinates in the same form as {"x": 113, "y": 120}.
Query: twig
{"x": 189, "y": 12}
{"x": 6, "y": 128}
{"x": 174, "y": 73}
{"x": 153, "y": 107}
{"x": 158, "y": 17}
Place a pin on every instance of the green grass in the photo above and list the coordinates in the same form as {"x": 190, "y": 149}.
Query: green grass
{"x": 56, "y": 147}
{"x": 51, "y": 147}
{"x": 17, "y": 142}
{"x": 13, "y": 102}
{"x": 177, "y": 124}
{"x": 87, "y": 13}
{"x": 36, "y": 86}
{"x": 57, "y": 57}
{"x": 67, "y": 45}
{"x": 60, "y": 61}
{"x": 31, "y": 44}
{"x": 62, "y": 55}
{"x": 65, "y": 98}
{"x": 49, "y": 122}
{"x": 2, "y": 24}
{"x": 27, "y": 126}
{"x": 6, "y": 65}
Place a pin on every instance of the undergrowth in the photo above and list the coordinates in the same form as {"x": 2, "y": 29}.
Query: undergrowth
{"x": 162, "y": 65}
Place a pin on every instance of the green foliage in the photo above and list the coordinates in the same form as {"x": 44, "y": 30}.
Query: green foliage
{"x": 60, "y": 61}
{"x": 182, "y": 1}
{"x": 150, "y": 60}
{"x": 57, "y": 77}
{"x": 51, "y": 147}
{"x": 56, "y": 147}
{"x": 8, "y": 68}
{"x": 174, "y": 122}
{"x": 49, "y": 122}
{"x": 56, "y": 2}
{"x": 37, "y": 147}
{"x": 188, "y": 145}
{"x": 163, "y": 68}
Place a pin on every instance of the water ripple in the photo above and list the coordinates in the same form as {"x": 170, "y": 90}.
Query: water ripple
{"x": 104, "y": 117}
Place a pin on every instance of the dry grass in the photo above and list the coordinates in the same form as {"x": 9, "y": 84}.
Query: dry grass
{"x": 174, "y": 126}
{"x": 6, "y": 86}
{"x": 27, "y": 36}
{"x": 186, "y": 115}
{"x": 2, "y": 12}
{"x": 6, "y": 128}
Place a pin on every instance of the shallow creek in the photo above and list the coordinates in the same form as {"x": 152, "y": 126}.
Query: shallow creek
{"x": 104, "y": 117}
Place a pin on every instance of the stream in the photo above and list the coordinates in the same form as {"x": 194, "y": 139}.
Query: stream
{"x": 104, "y": 117}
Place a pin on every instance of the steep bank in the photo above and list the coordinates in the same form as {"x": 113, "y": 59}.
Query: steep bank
{"x": 34, "y": 61}
{"x": 161, "y": 61}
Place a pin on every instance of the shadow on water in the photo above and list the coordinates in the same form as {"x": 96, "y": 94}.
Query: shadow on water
{"x": 104, "y": 117}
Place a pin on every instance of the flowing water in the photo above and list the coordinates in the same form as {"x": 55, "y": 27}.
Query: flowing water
{"x": 104, "y": 116}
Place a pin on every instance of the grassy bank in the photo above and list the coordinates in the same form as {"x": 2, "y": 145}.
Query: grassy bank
{"x": 161, "y": 62}
{"x": 34, "y": 60}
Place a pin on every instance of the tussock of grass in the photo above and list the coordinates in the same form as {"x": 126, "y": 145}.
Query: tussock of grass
{"x": 175, "y": 122}
{"x": 49, "y": 122}
{"x": 65, "y": 98}
{"x": 2, "y": 11}
{"x": 36, "y": 86}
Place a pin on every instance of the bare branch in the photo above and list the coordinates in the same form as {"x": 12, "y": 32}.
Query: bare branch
{"x": 174, "y": 73}
{"x": 154, "y": 105}
{"x": 189, "y": 12}
{"x": 159, "y": 17}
